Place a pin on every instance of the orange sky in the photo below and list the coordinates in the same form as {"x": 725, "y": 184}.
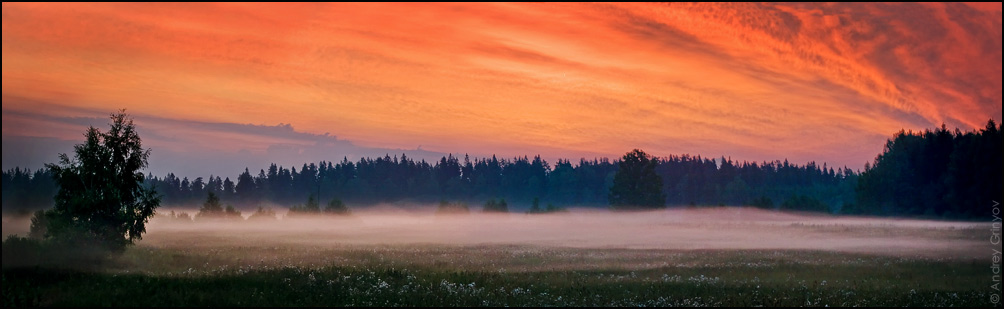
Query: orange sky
{"x": 820, "y": 82}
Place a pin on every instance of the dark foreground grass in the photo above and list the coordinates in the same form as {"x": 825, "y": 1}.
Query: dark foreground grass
{"x": 733, "y": 278}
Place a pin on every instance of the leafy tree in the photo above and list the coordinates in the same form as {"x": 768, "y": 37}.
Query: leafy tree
{"x": 636, "y": 185}
{"x": 101, "y": 196}
{"x": 39, "y": 225}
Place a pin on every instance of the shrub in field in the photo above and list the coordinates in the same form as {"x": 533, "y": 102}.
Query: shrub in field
{"x": 535, "y": 208}
{"x": 311, "y": 206}
{"x": 179, "y": 217}
{"x": 337, "y": 207}
{"x": 496, "y": 206}
{"x": 263, "y": 214}
{"x": 452, "y": 207}
{"x": 213, "y": 209}
{"x": 552, "y": 208}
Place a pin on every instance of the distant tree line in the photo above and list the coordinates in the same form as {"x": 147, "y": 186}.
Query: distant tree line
{"x": 26, "y": 190}
{"x": 687, "y": 180}
{"x": 935, "y": 173}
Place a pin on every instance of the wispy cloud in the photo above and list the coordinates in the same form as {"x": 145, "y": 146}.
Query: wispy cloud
{"x": 185, "y": 147}
{"x": 823, "y": 82}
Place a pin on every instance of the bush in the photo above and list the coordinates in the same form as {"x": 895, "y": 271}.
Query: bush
{"x": 213, "y": 209}
{"x": 493, "y": 206}
{"x": 263, "y": 214}
{"x": 452, "y": 208}
{"x": 180, "y": 217}
{"x": 336, "y": 207}
{"x": 552, "y": 208}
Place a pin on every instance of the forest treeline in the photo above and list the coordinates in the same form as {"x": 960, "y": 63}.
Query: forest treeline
{"x": 937, "y": 173}
{"x": 932, "y": 173}
{"x": 689, "y": 180}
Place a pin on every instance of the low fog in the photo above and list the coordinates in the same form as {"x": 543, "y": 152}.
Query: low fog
{"x": 675, "y": 229}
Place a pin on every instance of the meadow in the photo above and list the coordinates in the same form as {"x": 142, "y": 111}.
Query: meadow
{"x": 385, "y": 257}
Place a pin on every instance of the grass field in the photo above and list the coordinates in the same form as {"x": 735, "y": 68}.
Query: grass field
{"x": 561, "y": 260}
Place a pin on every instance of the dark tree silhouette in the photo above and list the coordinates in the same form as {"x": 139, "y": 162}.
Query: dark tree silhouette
{"x": 336, "y": 206}
{"x": 496, "y": 206}
{"x": 636, "y": 185}
{"x": 245, "y": 186}
{"x": 312, "y": 204}
{"x": 687, "y": 180}
{"x": 934, "y": 173}
{"x": 262, "y": 214}
{"x": 24, "y": 190}
{"x": 212, "y": 208}
{"x": 101, "y": 195}
{"x": 452, "y": 208}
{"x": 535, "y": 207}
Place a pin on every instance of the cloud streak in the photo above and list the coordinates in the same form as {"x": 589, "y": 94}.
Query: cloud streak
{"x": 823, "y": 82}
{"x": 185, "y": 147}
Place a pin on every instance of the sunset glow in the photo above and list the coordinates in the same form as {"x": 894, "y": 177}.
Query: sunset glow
{"x": 748, "y": 81}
